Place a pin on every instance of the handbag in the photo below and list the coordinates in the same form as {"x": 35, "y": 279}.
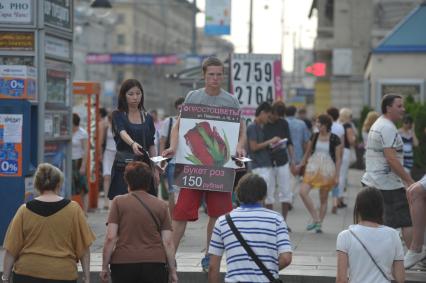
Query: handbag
{"x": 250, "y": 252}
{"x": 372, "y": 258}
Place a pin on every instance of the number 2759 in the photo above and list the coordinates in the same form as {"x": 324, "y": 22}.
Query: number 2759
{"x": 247, "y": 71}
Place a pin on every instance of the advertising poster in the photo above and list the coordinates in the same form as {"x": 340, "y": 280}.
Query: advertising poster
{"x": 208, "y": 136}
{"x": 18, "y": 12}
{"x": 255, "y": 78}
{"x": 11, "y": 145}
{"x": 218, "y": 17}
{"x": 17, "y": 82}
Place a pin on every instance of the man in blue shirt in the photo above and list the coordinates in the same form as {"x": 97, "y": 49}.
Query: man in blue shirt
{"x": 300, "y": 136}
{"x": 264, "y": 230}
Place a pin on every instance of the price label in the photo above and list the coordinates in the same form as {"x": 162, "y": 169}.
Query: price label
{"x": 9, "y": 167}
{"x": 256, "y": 78}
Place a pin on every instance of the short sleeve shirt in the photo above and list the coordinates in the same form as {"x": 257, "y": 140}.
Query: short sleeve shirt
{"x": 77, "y": 139}
{"x": 164, "y": 131}
{"x": 265, "y": 232}
{"x": 382, "y": 242}
{"x": 138, "y": 237}
{"x": 260, "y": 158}
{"x": 383, "y": 134}
{"x": 300, "y": 135}
{"x": 224, "y": 99}
{"x": 143, "y": 134}
{"x": 48, "y": 246}
{"x": 338, "y": 130}
{"x": 279, "y": 157}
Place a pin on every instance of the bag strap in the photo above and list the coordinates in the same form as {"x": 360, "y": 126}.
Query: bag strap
{"x": 149, "y": 210}
{"x": 168, "y": 132}
{"x": 368, "y": 252}
{"x": 249, "y": 251}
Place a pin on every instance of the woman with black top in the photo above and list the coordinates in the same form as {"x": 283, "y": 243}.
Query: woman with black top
{"x": 133, "y": 131}
{"x": 47, "y": 236}
{"x": 322, "y": 160}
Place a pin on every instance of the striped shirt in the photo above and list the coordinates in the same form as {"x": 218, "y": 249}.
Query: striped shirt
{"x": 264, "y": 231}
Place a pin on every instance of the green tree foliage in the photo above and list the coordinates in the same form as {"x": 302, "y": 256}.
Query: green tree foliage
{"x": 417, "y": 110}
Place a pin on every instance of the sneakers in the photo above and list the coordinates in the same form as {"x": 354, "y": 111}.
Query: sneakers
{"x": 318, "y": 229}
{"x": 311, "y": 226}
{"x": 412, "y": 258}
{"x": 314, "y": 225}
{"x": 205, "y": 262}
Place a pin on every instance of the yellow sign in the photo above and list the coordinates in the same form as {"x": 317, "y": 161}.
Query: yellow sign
{"x": 21, "y": 41}
{"x": 322, "y": 96}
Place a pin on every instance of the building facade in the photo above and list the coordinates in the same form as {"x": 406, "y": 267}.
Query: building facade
{"x": 161, "y": 27}
{"x": 347, "y": 32}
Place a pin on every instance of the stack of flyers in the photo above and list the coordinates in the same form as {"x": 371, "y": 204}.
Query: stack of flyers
{"x": 279, "y": 145}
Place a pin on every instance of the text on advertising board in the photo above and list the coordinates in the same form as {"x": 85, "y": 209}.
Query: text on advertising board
{"x": 16, "y": 11}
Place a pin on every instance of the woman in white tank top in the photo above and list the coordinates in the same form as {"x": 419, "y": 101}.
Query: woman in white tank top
{"x": 322, "y": 160}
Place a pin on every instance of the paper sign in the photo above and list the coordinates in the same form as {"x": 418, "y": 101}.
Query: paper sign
{"x": 208, "y": 137}
{"x": 11, "y": 145}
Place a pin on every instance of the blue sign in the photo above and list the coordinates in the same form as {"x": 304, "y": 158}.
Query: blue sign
{"x": 12, "y": 87}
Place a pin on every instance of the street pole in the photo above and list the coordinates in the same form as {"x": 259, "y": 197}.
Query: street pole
{"x": 250, "y": 39}
{"x": 194, "y": 28}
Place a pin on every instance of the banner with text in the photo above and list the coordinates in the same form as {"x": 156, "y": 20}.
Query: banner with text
{"x": 208, "y": 136}
{"x": 255, "y": 78}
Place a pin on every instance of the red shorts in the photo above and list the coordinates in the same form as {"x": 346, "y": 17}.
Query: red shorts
{"x": 189, "y": 200}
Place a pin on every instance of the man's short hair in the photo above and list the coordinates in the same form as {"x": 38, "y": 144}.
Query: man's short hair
{"x": 138, "y": 176}
{"x": 290, "y": 110}
{"x": 302, "y": 111}
{"x": 75, "y": 119}
{"x": 333, "y": 112}
{"x": 179, "y": 101}
{"x": 264, "y": 106}
{"x": 387, "y": 100}
{"x": 211, "y": 61}
{"x": 251, "y": 189}
{"x": 278, "y": 107}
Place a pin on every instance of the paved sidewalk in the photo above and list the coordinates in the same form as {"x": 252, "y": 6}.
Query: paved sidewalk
{"x": 314, "y": 257}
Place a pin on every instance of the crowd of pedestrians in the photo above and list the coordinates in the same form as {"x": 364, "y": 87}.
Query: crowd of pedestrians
{"x": 290, "y": 156}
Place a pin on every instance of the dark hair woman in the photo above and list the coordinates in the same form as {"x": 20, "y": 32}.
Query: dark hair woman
{"x": 138, "y": 241}
{"x": 134, "y": 132}
{"x": 322, "y": 159}
{"x": 369, "y": 233}
{"x": 47, "y": 236}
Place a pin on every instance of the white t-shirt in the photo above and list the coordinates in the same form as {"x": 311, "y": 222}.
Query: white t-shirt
{"x": 77, "y": 147}
{"x": 382, "y": 242}
{"x": 423, "y": 182}
{"x": 338, "y": 130}
{"x": 164, "y": 131}
{"x": 383, "y": 134}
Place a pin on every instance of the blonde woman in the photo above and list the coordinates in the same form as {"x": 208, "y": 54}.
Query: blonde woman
{"x": 368, "y": 122}
{"x": 348, "y": 140}
{"x": 47, "y": 236}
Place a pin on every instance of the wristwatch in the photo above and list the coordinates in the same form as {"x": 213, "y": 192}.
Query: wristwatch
{"x": 4, "y": 278}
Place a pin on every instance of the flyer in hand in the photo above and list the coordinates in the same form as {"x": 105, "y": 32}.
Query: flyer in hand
{"x": 208, "y": 137}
